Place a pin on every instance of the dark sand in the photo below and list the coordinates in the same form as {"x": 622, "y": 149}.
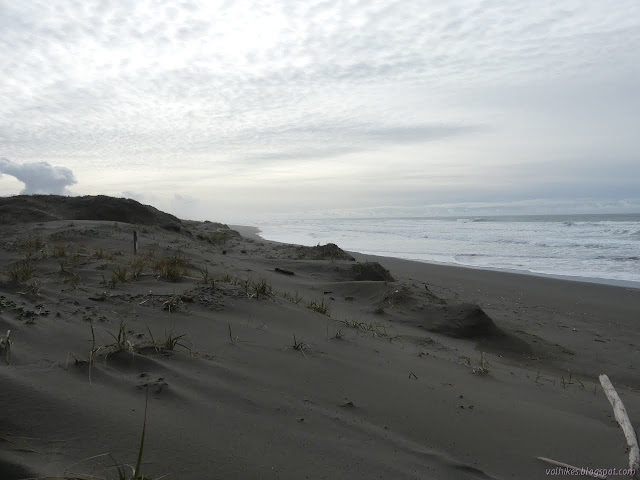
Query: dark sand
{"x": 370, "y": 392}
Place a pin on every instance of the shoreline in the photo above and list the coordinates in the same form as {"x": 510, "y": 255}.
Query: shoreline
{"x": 253, "y": 233}
{"x": 578, "y": 316}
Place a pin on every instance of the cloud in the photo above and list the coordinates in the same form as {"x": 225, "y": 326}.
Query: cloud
{"x": 328, "y": 140}
{"x": 39, "y": 177}
{"x": 216, "y": 92}
{"x": 183, "y": 199}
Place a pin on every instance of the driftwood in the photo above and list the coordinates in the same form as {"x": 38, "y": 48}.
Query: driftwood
{"x": 623, "y": 420}
{"x": 284, "y": 272}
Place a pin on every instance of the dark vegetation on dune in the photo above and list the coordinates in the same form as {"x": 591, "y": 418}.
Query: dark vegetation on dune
{"x": 45, "y": 208}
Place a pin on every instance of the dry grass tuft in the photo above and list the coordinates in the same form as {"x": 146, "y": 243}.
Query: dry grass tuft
{"x": 321, "y": 307}
{"x": 262, "y": 288}
{"x": 172, "y": 268}
{"x": 294, "y": 297}
{"x": 22, "y": 271}
{"x": 483, "y": 367}
{"x": 103, "y": 255}
{"x": 171, "y": 341}
{"x": 118, "y": 275}
{"x": 137, "y": 267}
{"x": 59, "y": 250}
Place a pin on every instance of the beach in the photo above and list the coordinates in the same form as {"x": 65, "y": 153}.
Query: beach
{"x": 276, "y": 361}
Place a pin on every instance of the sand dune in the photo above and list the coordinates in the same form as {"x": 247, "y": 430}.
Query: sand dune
{"x": 266, "y": 361}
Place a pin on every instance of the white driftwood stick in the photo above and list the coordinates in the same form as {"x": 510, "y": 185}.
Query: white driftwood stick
{"x": 623, "y": 419}
{"x": 571, "y": 467}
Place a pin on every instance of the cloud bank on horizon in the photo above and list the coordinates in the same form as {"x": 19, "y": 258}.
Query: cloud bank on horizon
{"x": 258, "y": 106}
{"x": 39, "y": 177}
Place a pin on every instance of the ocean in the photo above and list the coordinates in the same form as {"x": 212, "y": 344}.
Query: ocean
{"x": 601, "y": 248}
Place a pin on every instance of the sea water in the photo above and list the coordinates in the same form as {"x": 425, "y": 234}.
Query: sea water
{"x": 593, "y": 247}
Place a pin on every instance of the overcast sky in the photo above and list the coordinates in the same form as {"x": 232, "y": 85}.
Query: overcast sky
{"x": 235, "y": 110}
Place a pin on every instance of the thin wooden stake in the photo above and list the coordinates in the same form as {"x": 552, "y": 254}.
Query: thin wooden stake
{"x": 623, "y": 420}
{"x": 135, "y": 242}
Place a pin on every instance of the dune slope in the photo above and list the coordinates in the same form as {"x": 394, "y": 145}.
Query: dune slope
{"x": 263, "y": 360}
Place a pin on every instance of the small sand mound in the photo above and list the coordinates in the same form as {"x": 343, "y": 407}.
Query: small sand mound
{"x": 371, "y": 271}
{"x": 462, "y": 320}
{"x": 400, "y": 296}
{"x": 323, "y": 252}
{"x": 43, "y": 208}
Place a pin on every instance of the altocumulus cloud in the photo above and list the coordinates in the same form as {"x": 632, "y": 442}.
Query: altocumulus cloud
{"x": 310, "y": 102}
{"x": 39, "y": 177}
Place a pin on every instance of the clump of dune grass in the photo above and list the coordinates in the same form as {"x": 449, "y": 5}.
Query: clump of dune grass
{"x": 121, "y": 343}
{"x": 262, "y": 288}
{"x": 171, "y": 341}
{"x": 137, "y": 267}
{"x": 375, "y": 329}
{"x": 103, "y": 254}
{"x": 33, "y": 245}
{"x": 93, "y": 353}
{"x": 121, "y": 340}
{"x": 172, "y": 268}
{"x": 118, "y": 275}
{"x": 22, "y": 271}
{"x": 59, "y": 250}
{"x": 483, "y": 366}
{"x": 319, "y": 306}
{"x": 294, "y": 297}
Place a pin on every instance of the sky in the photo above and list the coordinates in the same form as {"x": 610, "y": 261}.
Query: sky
{"x": 241, "y": 110}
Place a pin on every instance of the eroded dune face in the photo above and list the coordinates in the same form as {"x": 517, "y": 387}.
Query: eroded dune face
{"x": 461, "y": 320}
